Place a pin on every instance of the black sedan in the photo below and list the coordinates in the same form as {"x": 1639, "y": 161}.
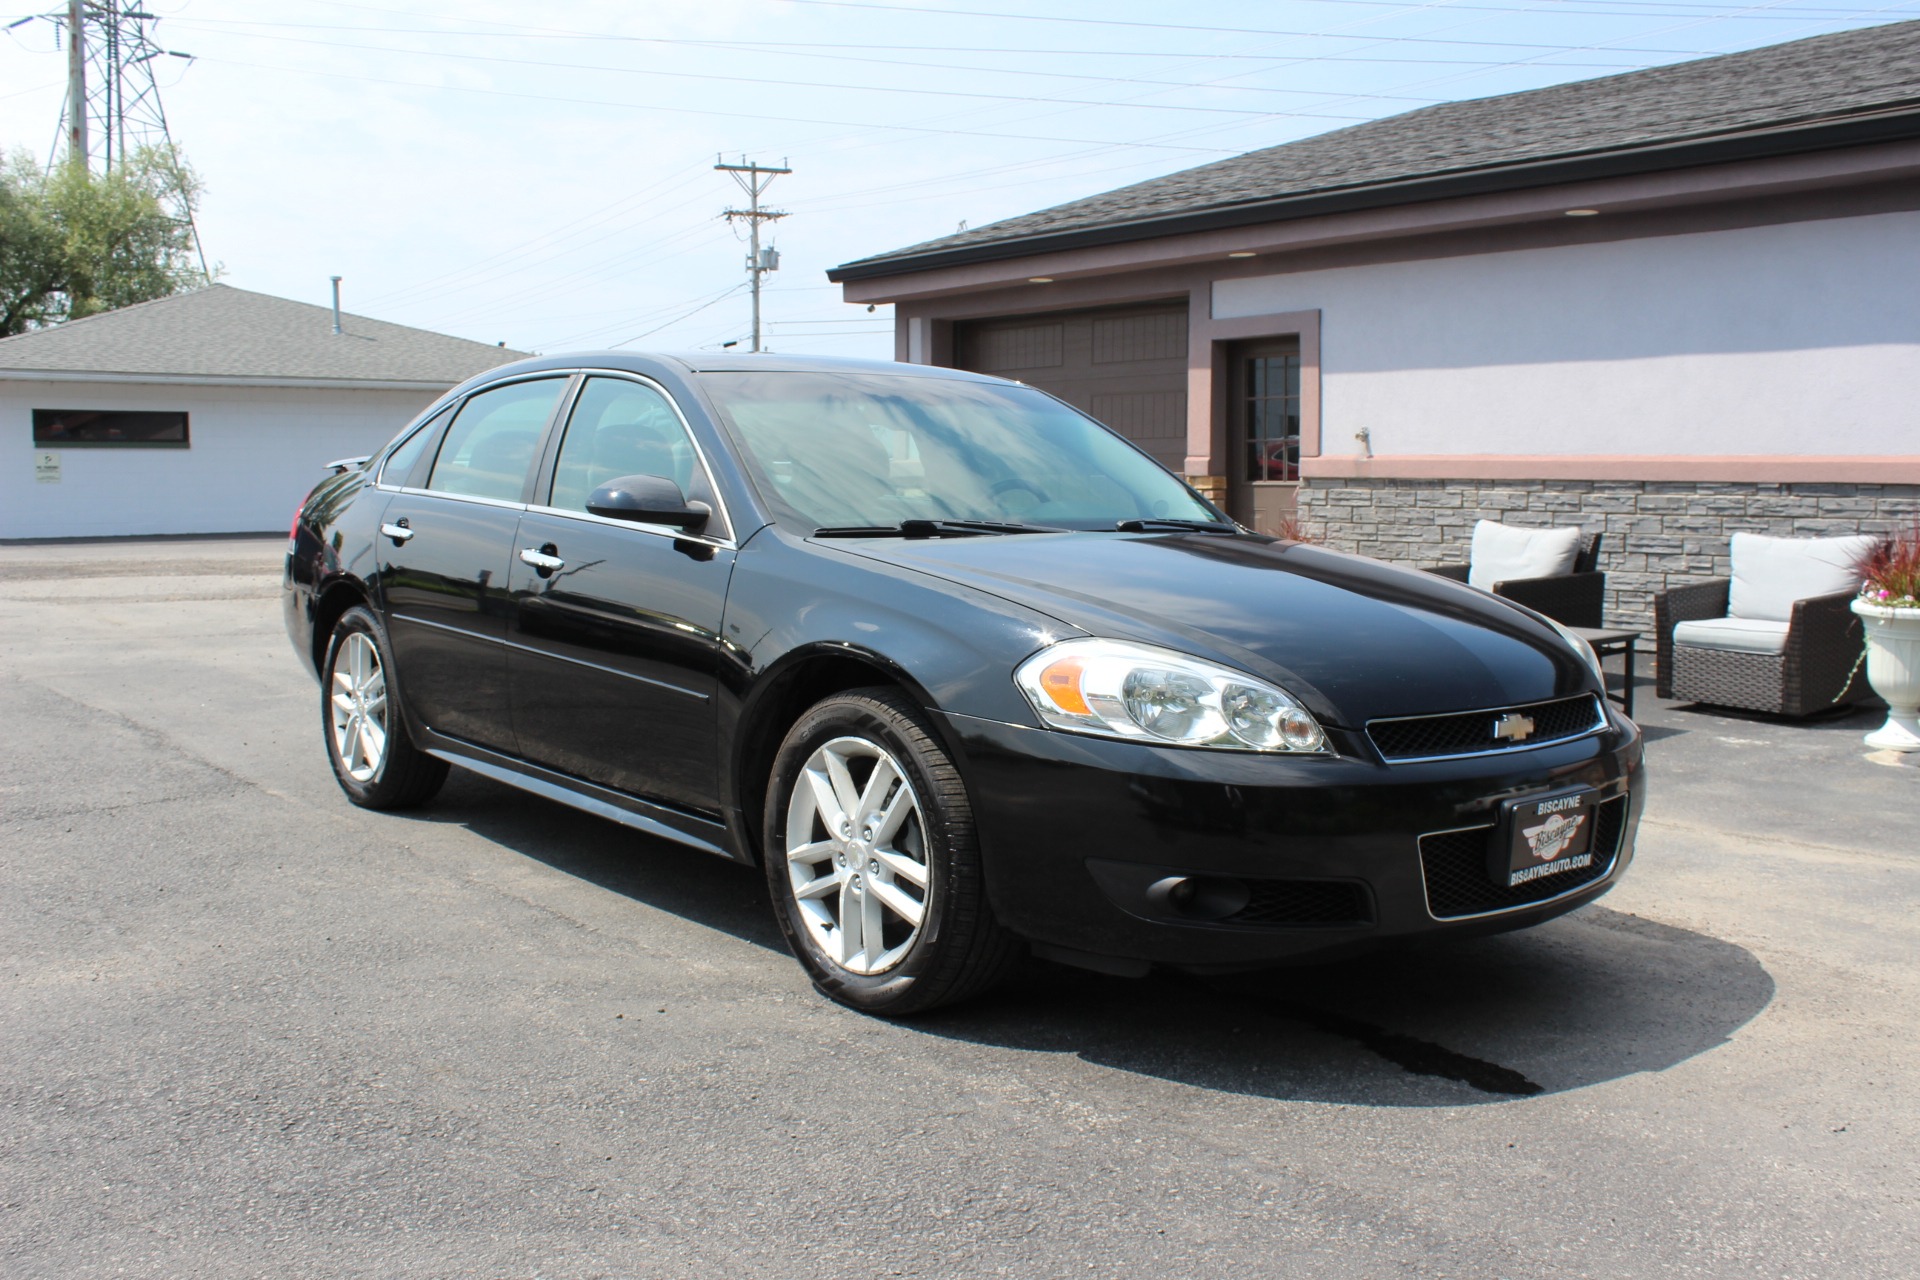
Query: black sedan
{"x": 964, "y": 671}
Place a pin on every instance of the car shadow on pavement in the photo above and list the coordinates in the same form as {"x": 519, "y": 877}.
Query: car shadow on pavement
{"x": 1591, "y": 997}
{"x": 1595, "y": 996}
{"x": 697, "y": 886}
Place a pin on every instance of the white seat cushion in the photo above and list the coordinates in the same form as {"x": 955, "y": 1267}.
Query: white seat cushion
{"x": 1504, "y": 552}
{"x": 1737, "y": 635}
{"x": 1769, "y": 574}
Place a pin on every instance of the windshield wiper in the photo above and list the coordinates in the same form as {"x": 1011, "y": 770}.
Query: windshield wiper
{"x": 931, "y": 529}
{"x": 1152, "y": 523}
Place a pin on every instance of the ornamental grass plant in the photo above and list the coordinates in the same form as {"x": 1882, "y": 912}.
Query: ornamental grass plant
{"x": 1890, "y": 573}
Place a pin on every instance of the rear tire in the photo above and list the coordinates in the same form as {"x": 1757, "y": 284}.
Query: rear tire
{"x": 374, "y": 759}
{"x": 873, "y": 860}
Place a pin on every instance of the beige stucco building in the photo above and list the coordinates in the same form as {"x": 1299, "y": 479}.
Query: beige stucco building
{"x": 1665, "y": 305}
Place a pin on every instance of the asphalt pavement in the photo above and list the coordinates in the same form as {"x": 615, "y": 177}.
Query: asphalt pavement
{"x": 249, "y": 1030}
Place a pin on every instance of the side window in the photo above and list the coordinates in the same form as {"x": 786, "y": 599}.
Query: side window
{"x": 622, "y": 428}
{"x": 490, "y": 445}
{"x": 404, "y": 458}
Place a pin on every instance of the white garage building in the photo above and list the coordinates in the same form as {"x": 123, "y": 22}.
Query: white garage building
{"x": 207, "y": 412}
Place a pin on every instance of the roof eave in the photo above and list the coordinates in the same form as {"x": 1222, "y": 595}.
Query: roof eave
{"x": 228, "y": 380}
{"x": 1901, "y": 124}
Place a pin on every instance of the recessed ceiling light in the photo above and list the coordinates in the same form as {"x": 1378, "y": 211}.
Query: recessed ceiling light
{"x": 1582, "y": 213}
{"x": 1241, "y": 253}
{"x": 1039, "y": 279}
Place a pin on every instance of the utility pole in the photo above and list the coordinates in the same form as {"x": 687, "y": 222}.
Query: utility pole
{"x": 76, "y": 83}
{"x": 754, "y": 179}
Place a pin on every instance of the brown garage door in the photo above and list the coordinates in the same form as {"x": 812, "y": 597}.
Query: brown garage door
{"x": 1125, "y": 366}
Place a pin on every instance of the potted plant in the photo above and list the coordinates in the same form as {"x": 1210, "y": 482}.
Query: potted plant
{"x": 1889, "y": 606}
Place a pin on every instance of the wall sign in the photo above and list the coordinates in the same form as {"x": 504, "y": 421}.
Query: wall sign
{"x": 46, "y": 467}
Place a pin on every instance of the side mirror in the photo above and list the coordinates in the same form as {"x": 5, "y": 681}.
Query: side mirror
{"x": 648, "y": 500}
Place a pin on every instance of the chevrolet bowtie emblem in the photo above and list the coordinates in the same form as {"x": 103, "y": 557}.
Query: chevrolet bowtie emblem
{"x": 1513, "y": 727}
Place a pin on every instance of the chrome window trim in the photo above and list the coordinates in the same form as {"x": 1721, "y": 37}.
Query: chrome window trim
{"x": 699, "y": 453}
{"x": 1601, "y": 724}
{"x": 1613, "y": 865}
{"x": 657, "y": 530}
{"x": 461, "y": 497}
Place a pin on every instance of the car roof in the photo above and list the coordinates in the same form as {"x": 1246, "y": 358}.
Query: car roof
{"x": 731, "y": 362}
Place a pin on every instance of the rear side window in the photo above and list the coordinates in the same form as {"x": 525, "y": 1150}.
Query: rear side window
{"x": 620, "y": 428}
{"x": 489, "y": 448}
{"x": 397, "y": 471}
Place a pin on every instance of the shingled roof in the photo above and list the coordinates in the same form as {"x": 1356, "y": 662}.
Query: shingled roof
{"x": 220, "y": 333}
{"x": 1833, "y": 90}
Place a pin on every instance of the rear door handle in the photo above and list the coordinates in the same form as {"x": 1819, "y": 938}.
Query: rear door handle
{"x": 398, "y": 532}
{"x": 543, "y": 563}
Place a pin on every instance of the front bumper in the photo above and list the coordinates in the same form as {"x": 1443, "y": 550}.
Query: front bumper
{"x": 1076, "y": 832}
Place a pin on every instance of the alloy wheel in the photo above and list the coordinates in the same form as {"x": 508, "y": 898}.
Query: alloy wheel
{"x": 359, "y": 704}
{"x": 857, "y": 855}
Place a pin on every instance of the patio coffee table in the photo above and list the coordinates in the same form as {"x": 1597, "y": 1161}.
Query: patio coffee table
{"x": 1607, "y": 641}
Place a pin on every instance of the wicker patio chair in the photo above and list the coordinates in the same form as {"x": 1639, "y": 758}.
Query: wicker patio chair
{"x": 1815, "y": 668}
{"x": 1576, "y": 599}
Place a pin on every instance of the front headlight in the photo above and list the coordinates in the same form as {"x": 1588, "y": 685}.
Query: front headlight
{"x": 1582, "y": 648}
{"x": 1118, "y": 689}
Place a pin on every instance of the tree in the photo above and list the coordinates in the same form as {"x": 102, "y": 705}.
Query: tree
{"x": 73, "y": 243}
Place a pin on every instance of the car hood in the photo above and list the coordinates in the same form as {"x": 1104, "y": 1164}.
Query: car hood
{"x": 1355, "y": 639}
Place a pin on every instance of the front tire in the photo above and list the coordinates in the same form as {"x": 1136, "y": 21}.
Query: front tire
{"x": 873, "y": 860}
{"x": 374, "y": 759}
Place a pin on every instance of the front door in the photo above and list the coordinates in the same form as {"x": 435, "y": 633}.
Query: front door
{"x": 1263, "y": 478}
{"x": 444, "y": 553}
{"x": 615, "y": 651}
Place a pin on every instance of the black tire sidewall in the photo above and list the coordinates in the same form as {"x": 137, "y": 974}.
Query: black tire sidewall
{"x": 877, "y": 719}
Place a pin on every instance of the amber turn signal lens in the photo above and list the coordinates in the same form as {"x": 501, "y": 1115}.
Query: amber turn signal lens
{"x": 1061, "y": 681}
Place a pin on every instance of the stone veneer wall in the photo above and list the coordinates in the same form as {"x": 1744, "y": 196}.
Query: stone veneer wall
{"x": 1659, "y": 533}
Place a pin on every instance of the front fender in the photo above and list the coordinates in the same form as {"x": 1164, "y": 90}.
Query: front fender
{"x": 804, "y": 620}
{"x": 955, "y": 645}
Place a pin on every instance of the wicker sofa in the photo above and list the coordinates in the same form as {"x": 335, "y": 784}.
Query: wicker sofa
{"x": 1575, "y": 599}
{"x": 1792, "y": 656}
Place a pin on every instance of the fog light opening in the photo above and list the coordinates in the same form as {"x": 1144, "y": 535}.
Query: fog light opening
{"x": 1199, "y": 897}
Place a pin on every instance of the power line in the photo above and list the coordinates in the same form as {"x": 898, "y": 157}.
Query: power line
{"x": 654, "y": 73}
{"x": 718, "y": 297}
{"x": 683, "y": 109}
{"x": 998, "y": 16}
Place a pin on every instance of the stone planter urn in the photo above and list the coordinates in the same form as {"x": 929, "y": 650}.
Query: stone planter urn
{"x": 1893, "y": 669}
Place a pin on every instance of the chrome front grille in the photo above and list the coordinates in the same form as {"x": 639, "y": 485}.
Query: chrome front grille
{"x": 1467, "y": 733}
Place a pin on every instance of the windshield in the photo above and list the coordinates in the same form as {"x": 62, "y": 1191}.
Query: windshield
{"x": 834, "y": 450}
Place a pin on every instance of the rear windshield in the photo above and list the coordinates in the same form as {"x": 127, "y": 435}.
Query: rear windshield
{"x": 838, "y": 449}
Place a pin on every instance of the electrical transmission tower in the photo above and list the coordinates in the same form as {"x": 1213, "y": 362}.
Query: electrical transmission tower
{"x": 754, "y": 179}
{"x": 112, "y": 106}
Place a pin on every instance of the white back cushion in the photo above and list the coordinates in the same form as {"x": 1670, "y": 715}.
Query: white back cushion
{"x": 1769, "y": 574}
{"x": 1504, "y": 552}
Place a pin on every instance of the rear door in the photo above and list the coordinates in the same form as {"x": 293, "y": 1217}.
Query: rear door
{"x": 616, "y": 650}
{"x": 444, "y": 551}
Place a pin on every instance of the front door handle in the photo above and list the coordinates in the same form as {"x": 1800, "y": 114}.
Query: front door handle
{"x": 398, "y": 532}
{"x": 542, "y": 561}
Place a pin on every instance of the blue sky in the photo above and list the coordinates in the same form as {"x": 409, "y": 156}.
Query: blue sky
{"x": 542, "y": 174}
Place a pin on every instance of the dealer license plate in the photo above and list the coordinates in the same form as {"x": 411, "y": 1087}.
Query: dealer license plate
{"x": 1549, "y": 835}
